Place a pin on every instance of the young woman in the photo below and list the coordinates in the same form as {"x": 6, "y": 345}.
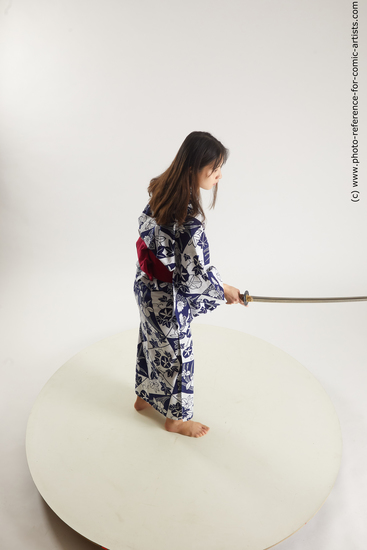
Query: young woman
{"x": 175, "y": 281}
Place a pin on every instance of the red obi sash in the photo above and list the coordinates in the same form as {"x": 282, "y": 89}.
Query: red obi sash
{"x": 150, "y": 264}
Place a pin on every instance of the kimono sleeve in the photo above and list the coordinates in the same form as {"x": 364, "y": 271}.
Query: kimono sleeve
{"x": 198, "y": 287}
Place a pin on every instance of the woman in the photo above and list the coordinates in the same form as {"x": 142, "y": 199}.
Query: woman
{"x": 175, "y": 282}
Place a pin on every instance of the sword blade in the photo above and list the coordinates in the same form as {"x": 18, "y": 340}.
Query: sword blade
{"x": 247, "y": 299}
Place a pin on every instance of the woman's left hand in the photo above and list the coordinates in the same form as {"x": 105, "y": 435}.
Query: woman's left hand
{"x": 232, "y": 295}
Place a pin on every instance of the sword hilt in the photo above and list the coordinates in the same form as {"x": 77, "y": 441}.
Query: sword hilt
{"x": 246, "y": 298}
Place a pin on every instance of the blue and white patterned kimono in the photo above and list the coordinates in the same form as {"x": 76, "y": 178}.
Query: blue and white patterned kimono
{"x": 165, "y": 361}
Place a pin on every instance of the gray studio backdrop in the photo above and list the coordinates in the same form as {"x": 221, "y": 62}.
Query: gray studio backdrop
{"x": 96, "y": 98}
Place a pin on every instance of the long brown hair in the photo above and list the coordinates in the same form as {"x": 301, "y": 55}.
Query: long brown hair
{"x": 172, "y": 192}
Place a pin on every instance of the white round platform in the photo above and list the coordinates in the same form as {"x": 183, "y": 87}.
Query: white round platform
{"x": 118, "y": 478}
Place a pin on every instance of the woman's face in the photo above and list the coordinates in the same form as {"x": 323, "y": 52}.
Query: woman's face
{"x": 207, "y": 178}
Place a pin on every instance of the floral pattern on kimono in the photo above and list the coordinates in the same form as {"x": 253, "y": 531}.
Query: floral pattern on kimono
{"x": 165, "y": 360}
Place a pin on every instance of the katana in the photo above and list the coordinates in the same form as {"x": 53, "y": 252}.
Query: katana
{"x": 247, "y": 299}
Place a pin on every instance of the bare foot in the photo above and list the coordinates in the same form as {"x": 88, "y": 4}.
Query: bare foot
{"x": 140, "y": 404}
{"x": 190, "y": 428}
